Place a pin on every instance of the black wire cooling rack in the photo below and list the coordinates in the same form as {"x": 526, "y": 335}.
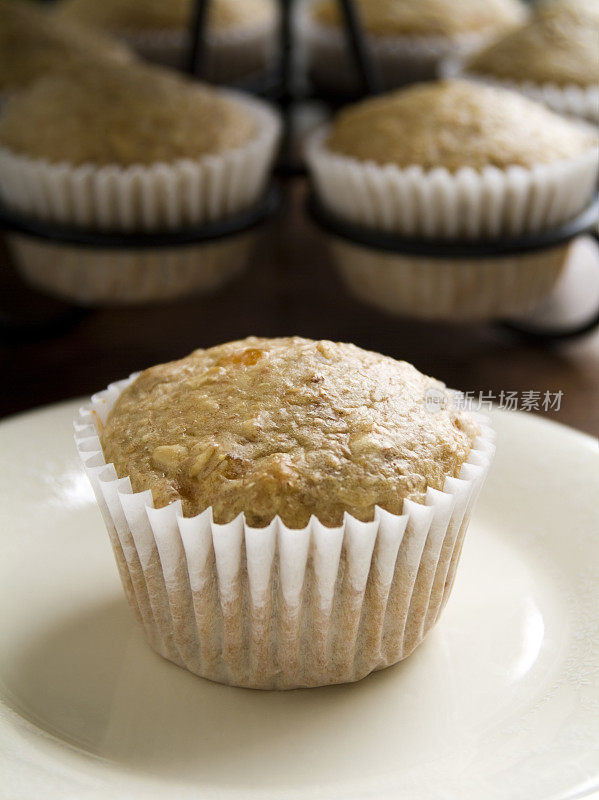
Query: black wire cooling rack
{"x": 279, "y": 85}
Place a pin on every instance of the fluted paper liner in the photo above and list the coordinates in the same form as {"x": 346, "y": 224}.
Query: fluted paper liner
{"x": 139, "y": 197}
{"x": 571, "y": 99}
{"x": 92, "y": 277}
{"x": 230, "y": 54}
{"x": 399, "y": 59}
{"x": 275, "y": 608}
{"x": 466, "y": 204}
{"x": 449, "y": 289}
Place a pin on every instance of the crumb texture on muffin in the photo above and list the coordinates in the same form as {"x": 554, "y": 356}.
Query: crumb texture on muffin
{"x": 455, "y": 124}
{"x": 33, "y": 43}
{"x": 136, "y": 114}
{"x": 287, "y": 427}
{"x": 426, "y": 17}
{"x": 559, "y": 45}
{"x": 139, "y": 15}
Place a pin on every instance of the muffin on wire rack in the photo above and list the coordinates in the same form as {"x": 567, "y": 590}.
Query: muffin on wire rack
{"x": 406, "y": 38}
{"x": 294, "y": 517}
{"x": 241, "y": 34}
{"x": 130, "y": 150}
{"x": 33, "y": 43}
{"x": 453, "y": 160}
{"x": 552, "y": 59}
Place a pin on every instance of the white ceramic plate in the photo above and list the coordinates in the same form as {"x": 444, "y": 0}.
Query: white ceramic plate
{"x": 500, "y": 702}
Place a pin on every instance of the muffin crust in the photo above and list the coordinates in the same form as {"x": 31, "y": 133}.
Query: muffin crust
{"x": 138, "y": 15}
{"x": 560, "y": 45}
{"x": 33, "y": 43}
{"x": 456, "y": 124}
{"x": 122, "y": 115}
{"x": 285, "y": 426}
{"x": 426, "y": 17}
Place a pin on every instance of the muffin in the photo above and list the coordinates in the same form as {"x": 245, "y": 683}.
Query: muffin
{"x": 294, "y": 514}
{"x": 240, "y": 37}
{"x": 131, "y": 149}
{"x": 407, "y": 38}
{"x": 454, "y": 159}
{"x": 553, "y": 58}
{"x": 33, "y": 43}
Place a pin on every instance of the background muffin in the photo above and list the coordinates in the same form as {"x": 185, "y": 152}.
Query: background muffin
{"x": 131, "y": 15}
{"x": 454, "y": 159}
{"x": 133, "y": 148}
{"x": 310, "y": 441}
{"x": 241, "y": 33}
{"x": 138, "y": 115}
{"x": 33, "y": 43}
{"x": 406, "y": 37}
{"x": 553, "y": 58}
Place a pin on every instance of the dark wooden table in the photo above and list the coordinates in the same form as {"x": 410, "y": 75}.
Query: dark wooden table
{"x": 290, "y": 287}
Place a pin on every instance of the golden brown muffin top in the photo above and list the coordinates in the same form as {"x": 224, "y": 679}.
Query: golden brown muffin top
{"x": 140, "y": 15}
{"x": 559, "y": 45}
{"x": 33, "y": 43}
{"x": 116, "y": 115}
{"x": 427, "y": 17}
{"x": 284, "y": 426}
{"x": 456, "y": 124}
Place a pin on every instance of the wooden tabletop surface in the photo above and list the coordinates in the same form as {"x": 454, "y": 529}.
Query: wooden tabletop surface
{"x": 290, "y": 287}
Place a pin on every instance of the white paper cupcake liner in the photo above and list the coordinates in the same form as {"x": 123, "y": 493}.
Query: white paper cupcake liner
{"x": 93, "y": 277}
{"x": 399, "y": 59}
{"x": 139, "y": 197}
{"x": 275, "y": 608}
{"x": 230, "y": 55}
{"x": 466, "y": 204}
{"x": 570, "y": 100}
{"x": 452, "y": 290}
